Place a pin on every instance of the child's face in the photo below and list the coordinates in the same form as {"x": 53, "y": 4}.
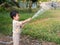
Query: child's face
{"x": 16, "y": 17}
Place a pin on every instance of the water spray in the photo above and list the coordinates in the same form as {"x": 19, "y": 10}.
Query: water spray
{"x": 44, "y": 8}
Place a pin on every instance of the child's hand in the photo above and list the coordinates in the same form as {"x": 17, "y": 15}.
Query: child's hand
{"x": 29, "y": 19}
{"x": 25, "y": 21}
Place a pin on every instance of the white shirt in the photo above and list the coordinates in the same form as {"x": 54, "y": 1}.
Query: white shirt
{"x": 17, "y": 26}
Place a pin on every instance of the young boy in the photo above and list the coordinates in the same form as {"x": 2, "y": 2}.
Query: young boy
{"x": 17, "y": 26}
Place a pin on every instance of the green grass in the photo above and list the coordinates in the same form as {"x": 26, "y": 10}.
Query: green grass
{"x": 45, "y": 27}
{"x": 46, "y": 30}
{"x": 6, "y": 21}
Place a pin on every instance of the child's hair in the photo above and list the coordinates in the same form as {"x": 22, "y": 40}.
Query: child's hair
{"x": 13, "y": 13}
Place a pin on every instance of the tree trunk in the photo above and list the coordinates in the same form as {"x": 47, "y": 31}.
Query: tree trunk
{"x": 30, "y": 5}
{"x": 16, "y": 3}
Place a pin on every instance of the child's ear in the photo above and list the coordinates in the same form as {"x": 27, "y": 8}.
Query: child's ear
{"x": 13, "y": 17}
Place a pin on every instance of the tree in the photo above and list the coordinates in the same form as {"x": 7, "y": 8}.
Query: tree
{"x": 31, "y": 2}
{"x": 34, "y": 1}
{"x": 16, "y": 3}
{"x": 8, "y": 3}
{"x": 43, "y": 0}
{"x": 2, "y": 1}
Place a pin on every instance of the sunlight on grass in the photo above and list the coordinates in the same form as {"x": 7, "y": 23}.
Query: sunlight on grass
{"x": 45, "y": 30}
{"x": 45, "y": 27}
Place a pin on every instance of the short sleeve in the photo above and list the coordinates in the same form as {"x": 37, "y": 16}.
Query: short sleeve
{"x": 19, "y": 23}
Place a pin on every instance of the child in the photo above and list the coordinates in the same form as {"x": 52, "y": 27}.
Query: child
{"x": 17, "y": 26}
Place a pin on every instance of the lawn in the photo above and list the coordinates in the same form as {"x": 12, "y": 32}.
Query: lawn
{"x": 45, "y": 27}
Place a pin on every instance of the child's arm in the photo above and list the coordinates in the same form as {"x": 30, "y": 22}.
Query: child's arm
{"x": 27, "y": 20}
{"x": 24, "y": 22}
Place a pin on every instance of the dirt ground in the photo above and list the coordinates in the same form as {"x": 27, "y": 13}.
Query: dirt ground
{"x": 25, "y": 40}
